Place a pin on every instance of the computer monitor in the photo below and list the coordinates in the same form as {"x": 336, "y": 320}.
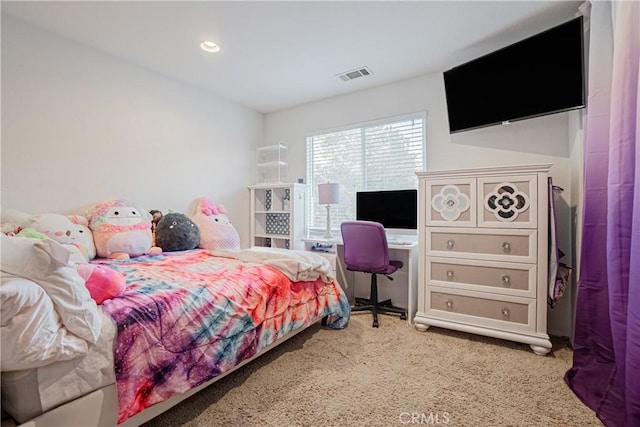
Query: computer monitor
{"x": 396, "y": 210}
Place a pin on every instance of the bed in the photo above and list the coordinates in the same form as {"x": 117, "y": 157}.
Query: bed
{"x": 185, "y": 320}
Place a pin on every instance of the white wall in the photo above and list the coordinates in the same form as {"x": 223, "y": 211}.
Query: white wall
{"x": 541, "y": 140}
{"x": 576, "y": 157}
{"x": 80, "y": 126}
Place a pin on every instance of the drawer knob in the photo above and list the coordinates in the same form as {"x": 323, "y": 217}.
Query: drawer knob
{"x": 449, "y": 304}
{"x": 505, "y": 313}
{"x": 450, "y": 244}
{"x": 450, "y": 274}
{"x": 506, "y": 280}
{"x": 506, "y": 247}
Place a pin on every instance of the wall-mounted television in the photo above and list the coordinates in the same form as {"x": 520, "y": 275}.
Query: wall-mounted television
{"x": 396, "y": 210}
{"x": 540, "y": 75}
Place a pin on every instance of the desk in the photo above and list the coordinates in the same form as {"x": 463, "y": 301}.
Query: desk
{"x": 403, "y": 290}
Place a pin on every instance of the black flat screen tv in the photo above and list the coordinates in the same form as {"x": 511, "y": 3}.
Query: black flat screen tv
{"x": 540, "y": 75}
{"x": 394, "y": 209}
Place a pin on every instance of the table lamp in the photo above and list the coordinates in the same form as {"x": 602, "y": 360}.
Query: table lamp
{"x": 328, "y": 194}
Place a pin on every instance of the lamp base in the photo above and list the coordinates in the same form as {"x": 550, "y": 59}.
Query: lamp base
{"x": 328, "y": 234}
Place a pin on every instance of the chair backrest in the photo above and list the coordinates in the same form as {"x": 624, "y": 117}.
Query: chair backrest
{"x": 365, "y": 246}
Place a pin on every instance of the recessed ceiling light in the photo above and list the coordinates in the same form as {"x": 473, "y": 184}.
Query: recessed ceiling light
{"x": 210, "y": 47}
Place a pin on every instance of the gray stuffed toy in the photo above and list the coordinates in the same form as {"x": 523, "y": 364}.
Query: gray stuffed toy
{"x": 176, "y": 232}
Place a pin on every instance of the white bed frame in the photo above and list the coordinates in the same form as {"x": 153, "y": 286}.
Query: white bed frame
{"x": 100, "y": 407}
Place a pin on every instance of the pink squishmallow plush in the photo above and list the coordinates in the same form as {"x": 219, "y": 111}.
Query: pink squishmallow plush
{"x": 121, "y": 230}
{"x": 216, "y": 231}
{"x": 102, "y": 282}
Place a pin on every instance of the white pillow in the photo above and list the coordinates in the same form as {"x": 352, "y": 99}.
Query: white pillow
{"x": 46, "y": 262}
{"x": 31, "y": 332}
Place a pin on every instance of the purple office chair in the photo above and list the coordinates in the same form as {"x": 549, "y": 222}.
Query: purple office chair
{"x": 366, "y": 250}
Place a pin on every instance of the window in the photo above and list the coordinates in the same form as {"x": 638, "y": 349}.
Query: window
{"x": 380, "y": 156}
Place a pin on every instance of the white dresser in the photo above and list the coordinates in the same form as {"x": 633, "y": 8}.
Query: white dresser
{"x": 483, "y": 252}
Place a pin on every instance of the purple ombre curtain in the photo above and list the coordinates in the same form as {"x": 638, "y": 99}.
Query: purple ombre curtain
{"x": 606, "y": 359}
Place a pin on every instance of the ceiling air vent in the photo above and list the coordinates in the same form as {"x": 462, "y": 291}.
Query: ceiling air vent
{"x": 354, "y": 74}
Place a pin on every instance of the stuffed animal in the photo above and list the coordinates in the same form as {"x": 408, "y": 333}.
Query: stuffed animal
{"x": 176, "y": 232}
{"x": 10, "y": 228}
{"x": 121, "y": 230}
{"x": 216, "y": 231}
{"x": 102, "y": 282}
{"x": 31, "y": 234}
{"x": 73, "y": 233}
{"x": 69, "y": 230}
{"x": 156, "y": 216}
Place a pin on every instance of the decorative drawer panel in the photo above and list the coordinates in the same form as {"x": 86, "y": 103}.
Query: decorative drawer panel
{"x": 277, "y": 223}
{"x": 508, "y": 201}
{"x": 501, "y": 245}
{"x": 450, "y": 203}
{"x": 480, "y": 309}
{"x": 507, "y": 278}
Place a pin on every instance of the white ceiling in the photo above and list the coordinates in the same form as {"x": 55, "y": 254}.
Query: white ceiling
{"x": 275, "y": 55}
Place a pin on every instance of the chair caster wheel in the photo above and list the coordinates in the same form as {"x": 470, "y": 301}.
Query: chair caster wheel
{"x": 376, "y": 324}
{"x": 403, "y": 316}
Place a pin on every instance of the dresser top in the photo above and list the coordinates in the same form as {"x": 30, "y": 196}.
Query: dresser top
{"x": 497, "y": 170}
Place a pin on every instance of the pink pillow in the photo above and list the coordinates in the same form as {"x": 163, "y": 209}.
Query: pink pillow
{"x": 102, "y": 282}
{"x": 216, "y": 231}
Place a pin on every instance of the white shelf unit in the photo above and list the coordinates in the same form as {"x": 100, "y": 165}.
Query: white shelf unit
{"x": 272, "y": 163}
{"x": 278, "y": 215}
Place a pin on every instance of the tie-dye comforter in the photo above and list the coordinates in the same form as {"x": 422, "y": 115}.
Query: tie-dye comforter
{"x": 188, "y": 317}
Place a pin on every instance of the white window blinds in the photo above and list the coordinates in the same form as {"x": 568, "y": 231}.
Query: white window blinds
{"x": 383, "y": 156}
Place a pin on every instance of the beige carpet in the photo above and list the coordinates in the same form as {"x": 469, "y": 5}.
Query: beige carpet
{"x": 391, "y": 376}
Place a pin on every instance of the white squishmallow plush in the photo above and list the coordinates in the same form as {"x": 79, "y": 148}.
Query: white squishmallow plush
{"x": 71, "y": 231}
{"x": 121, "y": 230}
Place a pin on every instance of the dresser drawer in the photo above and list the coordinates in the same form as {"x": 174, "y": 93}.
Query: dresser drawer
{"x": 500, "y": 245}
{"x": 481, "y": 309}
{"x": 506, "y": 278}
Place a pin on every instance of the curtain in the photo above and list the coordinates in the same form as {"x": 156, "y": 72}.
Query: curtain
{"x": 606, "y": 361}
